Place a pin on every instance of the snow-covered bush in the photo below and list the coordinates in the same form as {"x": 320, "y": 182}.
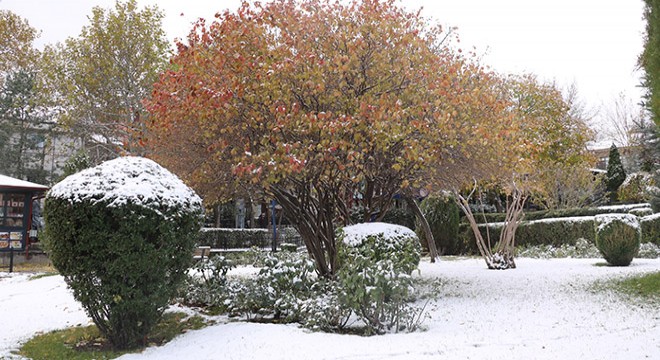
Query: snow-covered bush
{"x": 618, "y": 237}
{"x": 382, "y": 241}
{"x": 206, "y": 284}
{"x": 651, "y": 228}
{"x": 122, "y": 234}
{"x": 648, "y": 251}
{"x": 284, "y": 282}
{"x": 324, "y": 311}
{"x": 443, "y": 217}
{"x": 641, "y": 211}
{"x": 582, "y": 249}
{"x": 636, "y": 188}
{"x": 287, "y": 278}
{"x": 374, "y": 277}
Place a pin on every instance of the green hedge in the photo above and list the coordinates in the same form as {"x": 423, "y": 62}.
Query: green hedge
{"x": 554, "y": 232}
{"x": 222, "y": 238}
{"x": 651, "y": 229}
{"x": 637, "y": 209}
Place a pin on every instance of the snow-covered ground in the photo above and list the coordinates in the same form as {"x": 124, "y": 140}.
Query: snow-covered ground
{"x": 545, "y": 309}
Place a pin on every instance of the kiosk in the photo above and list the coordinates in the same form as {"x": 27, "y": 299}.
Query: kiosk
{"x": 16, "y": 198}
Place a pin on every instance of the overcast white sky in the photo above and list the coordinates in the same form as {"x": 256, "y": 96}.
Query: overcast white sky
{"x": 592, "y": 43}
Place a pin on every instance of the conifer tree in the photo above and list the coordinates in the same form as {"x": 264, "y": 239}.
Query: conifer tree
{"x": 616, "y": 174}
{"x": 649, "y": 60}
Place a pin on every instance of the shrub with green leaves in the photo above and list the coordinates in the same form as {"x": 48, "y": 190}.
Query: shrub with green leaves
{"x": 582, "y": 249}
{"x": 618, "y": 237}
{"x": 636, "y": 188}
{"x": 374, "y": 277}
{"x": 400, "y": 216}
{"x": 206, "y": 284}
{"x": 443, "y": 216}
{"x": 651, "y": 228}
{"x": 122, "y": 234}
{"x": 284, "y": 282}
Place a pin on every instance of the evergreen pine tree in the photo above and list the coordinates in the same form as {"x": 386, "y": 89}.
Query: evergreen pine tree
{"x": 650, "y": 59}
{"x": 616, "y": 174}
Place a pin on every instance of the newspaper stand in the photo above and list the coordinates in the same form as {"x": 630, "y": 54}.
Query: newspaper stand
{"x": 16, "y": 214}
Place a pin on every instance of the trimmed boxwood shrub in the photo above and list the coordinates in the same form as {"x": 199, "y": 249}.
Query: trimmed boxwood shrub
{"x": 443, "y": 217}
{"x": 651, "y": 229}
{"x": 381, "y": 242}
{"x": 122, "y": 234}
{"x": 618, "y": 237}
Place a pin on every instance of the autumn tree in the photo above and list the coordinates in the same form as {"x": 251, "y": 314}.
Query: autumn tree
{"x": 102, "y": 76}
{"x": 16, "y": 43}
{"x": 558, "y": 134}
{"x": 326, "y": 107}
{"x": 488, "y": 160}
{"x": 515, "y": 147}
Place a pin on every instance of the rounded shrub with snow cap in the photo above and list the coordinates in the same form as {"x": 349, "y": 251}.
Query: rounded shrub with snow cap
{"x": 618, "y": 237}
{"x": 122, "y": 234}
{"x": 382, "y": 241}
{"x": 374, "y": 282}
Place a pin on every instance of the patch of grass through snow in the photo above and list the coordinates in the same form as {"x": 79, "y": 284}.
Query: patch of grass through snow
{"x": 43, "y": 275}
{"x": 86, "y": 343}
{"x": 645, "y": 286}
{"x": 637, "y": 290}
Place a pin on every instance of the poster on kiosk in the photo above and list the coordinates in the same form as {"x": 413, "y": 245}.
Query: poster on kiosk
{"x": 16, "y": 198}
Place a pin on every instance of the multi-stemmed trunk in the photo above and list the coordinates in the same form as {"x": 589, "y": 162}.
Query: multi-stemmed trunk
{"x": 312, "y": 212}
{"x": 501, "y": 256}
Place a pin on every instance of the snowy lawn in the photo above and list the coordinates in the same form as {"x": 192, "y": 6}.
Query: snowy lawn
{"x": 545, "y": 309}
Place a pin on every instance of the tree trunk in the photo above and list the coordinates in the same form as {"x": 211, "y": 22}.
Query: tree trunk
{"x": 428, "y": 235}
{"x": 311, "y": 213}
{"x": 503, "y": 256}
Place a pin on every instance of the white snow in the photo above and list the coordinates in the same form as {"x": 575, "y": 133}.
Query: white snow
{"x": 544, "y": 309}
{"x": 572, "y": 219}
{"x": 651, "y": 217}
{"x": 354, "y": 234}
{"x": 627, "y": 207}
{"x": 603, "y": 220}
{"x": 128, "y": 179}
{"x": 32, "y": 306}
{"x": 10, "y": 182}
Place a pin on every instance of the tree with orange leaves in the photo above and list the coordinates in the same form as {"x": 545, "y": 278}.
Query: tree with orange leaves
{"x": 324, "y": 106}
{"x": 515, "y": 148}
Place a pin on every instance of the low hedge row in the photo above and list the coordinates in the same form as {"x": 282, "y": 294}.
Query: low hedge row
{"x": 636, "y": 209}
{"x": 223, "y": 238}
{"x": 556, "y": 232}
{"x": 651, "y": 229}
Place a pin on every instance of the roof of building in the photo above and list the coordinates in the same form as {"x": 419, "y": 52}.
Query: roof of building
{"x": 7, "y": 182}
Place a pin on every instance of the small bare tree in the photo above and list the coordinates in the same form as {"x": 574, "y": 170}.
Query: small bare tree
{"x": 498, "y": 256}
